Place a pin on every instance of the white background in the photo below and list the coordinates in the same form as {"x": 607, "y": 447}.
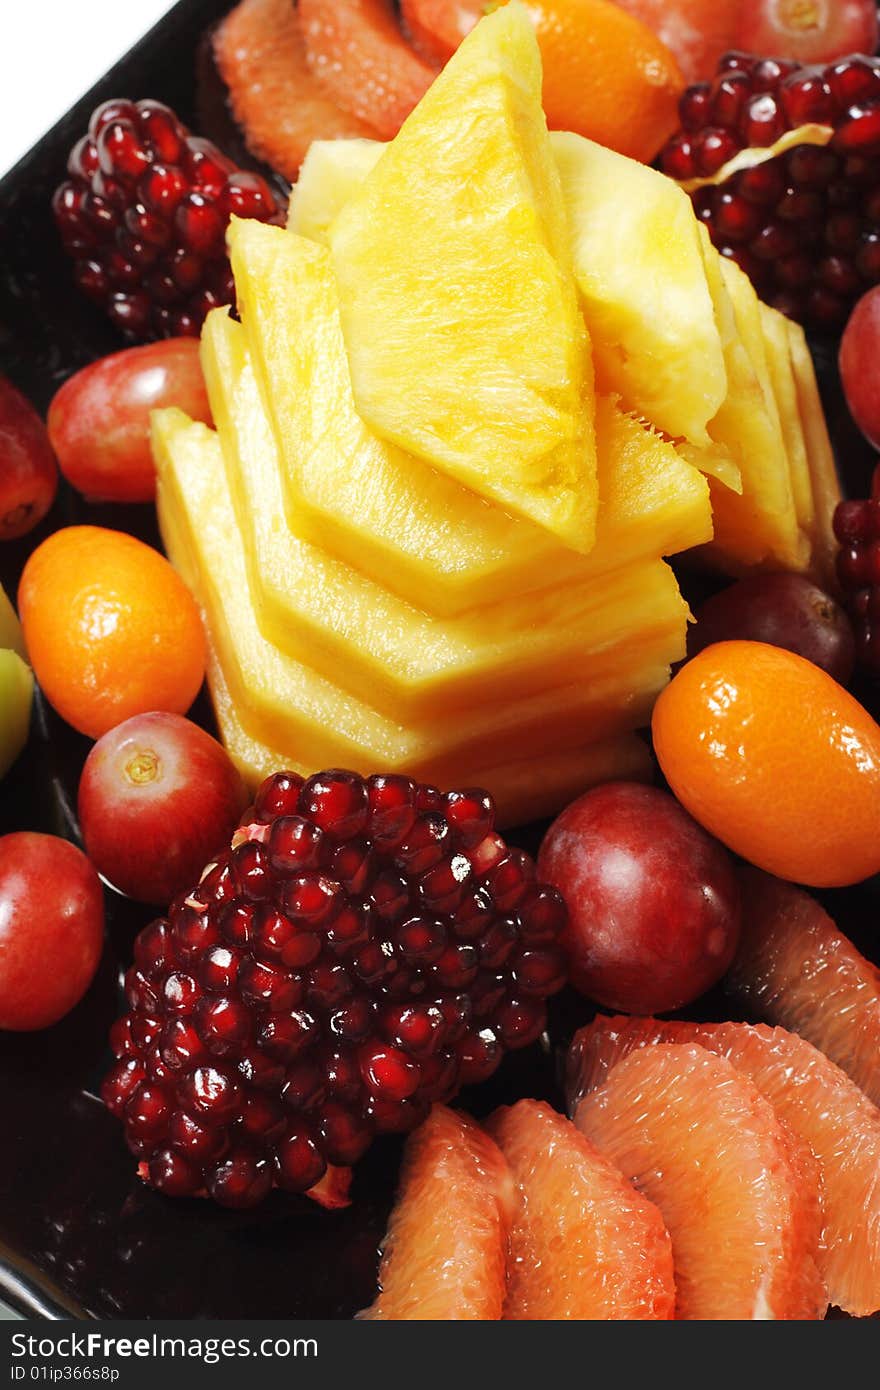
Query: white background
{"x": 52, "y": 51}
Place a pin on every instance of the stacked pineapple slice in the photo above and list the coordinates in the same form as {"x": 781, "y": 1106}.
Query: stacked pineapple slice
{"x": 427, "y": 530}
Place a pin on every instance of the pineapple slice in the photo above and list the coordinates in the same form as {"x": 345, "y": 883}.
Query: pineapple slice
{"x": 285, "y": 702}
{"x": 759, "y": 527}
{"x": 640, "y": 272}
{"x": 820, "y": 457}
{"x": 775, "y": 332}
{"x": 458, "y": 302}
{"x": 322, "y": 612}
{"x": 404, "y": 525}
{"x": 524, "y": 789}
{"x": 655, "y": 338}
{"x": 331, "y": 172}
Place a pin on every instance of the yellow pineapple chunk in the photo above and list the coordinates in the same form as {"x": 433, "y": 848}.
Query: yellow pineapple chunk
{"x": 524, "y": 789}
{"x": 640, "y": 272}
{"x": 408, "y": 527}
{"x": 285, "y": 702}
{"x": 319, "y": 610}
{"x": 776, "y": 341}
{"x": 820, "y": 456}
{"x": 459, "y": 307}
{"x": 330, "y": 173}
{"x": 759, "y": 527}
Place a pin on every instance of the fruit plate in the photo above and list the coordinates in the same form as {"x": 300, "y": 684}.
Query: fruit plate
{"x": 79, "y": 1234}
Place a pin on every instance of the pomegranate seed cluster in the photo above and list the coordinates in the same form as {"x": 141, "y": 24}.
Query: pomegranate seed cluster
{"x": 364, "y": 949}
{"x": 144, "y": 216}
{"x": 805, "y": 226}
{"x": 857, "y": 528}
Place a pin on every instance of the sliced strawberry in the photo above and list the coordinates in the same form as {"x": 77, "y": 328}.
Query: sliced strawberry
{"x": 357, "y": 50}
{"x": 274, "y": 96}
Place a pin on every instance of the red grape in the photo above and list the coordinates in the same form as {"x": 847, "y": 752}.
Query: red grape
{"x": 786, "y": 610}
{"x": 817, "y": 32}
{"x": 860, "y": 365}
{"x": 28, "y": 473}
{"x": 51, "y": 929}
{"x": 158, "y": 796}
{"x": 654, "y": 904}
{"x": 99, "y": 422}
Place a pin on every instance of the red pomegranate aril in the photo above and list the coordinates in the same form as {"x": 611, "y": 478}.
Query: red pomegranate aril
{"x": 474, "y": 915}
{"x": 852, "y": 79}
{"x": 520, "y": 1021}
{"x": 181, "y": 1044}
{"x": 312, "y": 899}
{"x": 389, "y": 1073}
{"x": 162, "y": 189}
{"x": 391, "y": 808}
{"x": 389, "y": 895}
{"x": 416, "y": 1029}
{"x": 487, "y": 854}
{"x": 336, "y": 801}
{"x": 735, "y": 217}
{"x": 199, "y": 224}
{"x": 294, "y": 845}
{"x": 171, "y": 1173}
{"x": 225, "y": 1025}
{"x": 350, "y": 927}
{"x": 121, "y": 1082}
{"x": 147, "y": 1112}
{"x": 284, "y": 1036}
{"x": 761, "y": 121}
{"x": 299, "y": 1161}
{"x": 343, "y": 1075}
{"x": 140, "y": 993}
{"x": 263, "y": 1115}
{"x": 237, "y": 923}
{"x": 509, "y": 880}
{"x": 695, "y": 106}
{"x": 542, "y": 915}
{"x": 121, "y": 152}
{"x": 471, "y": 816}
{"x": 344, "y": 1137}
{"x": 540, "y": 972}
{"x": 480, "y": 1056}
{"x": 353, "y": 1022}
{"x": 728, "y": 93}
{"x": 767, "y": 73}
{"x": 261, "y": 1071}
{"x": 795, "y": 272}
{"x": 712, "y": 149}
{"x": 859, "y": 133}
{"x": 213, "y": 1093}
{"x": 497, "y": 944}
{"x": 806, "y": 97}
{"x": 246, "y": 195}
{"x": 487, "y": 993}
{"x": 330, "y": 984}
{"x": 218, "y": 970}
{"x": 83, "y": 158}
{"x": 305, "y": 1085}
{"x": 678, "y": 158}
{"x": 278, "y": 796}
{"x": 243, "y": 1179}
{"x": 421, "y": 940}
{"x": 425, "y": 845}
{"x": 351, "y": 864}
{"x": 195, "y": 1141}
{"x": 206, "y": 167}
{"x": 868, "y": 257}
{"x": 439, "y": 1077}
{"x": 397, "y": 1116}
{"x": 457, "y": 967}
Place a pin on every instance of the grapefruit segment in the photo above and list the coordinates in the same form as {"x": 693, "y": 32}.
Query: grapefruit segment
{"x": 696, "y": 1136}
{"x": 795, "y": 968}
{"x": 437, "y": 27}
{"x": 819, "y": 1104}
{"x": 445, "y": 1254}
{"x": 357, "y": 52}
{"x": 279, "y": 104}
{"x": 584, "y": 1243}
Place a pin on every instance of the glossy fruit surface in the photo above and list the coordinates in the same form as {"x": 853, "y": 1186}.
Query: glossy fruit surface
{"x": 143, "y": 214}
{"x": 606, "y": 75}
{"x": 445, "y": 1253}
{"x": 157, "y": 797}
{"x": 775, "y": 759}
{"x": 363, "y": 949}
{"x": 698, "y": 1138}
{"x": 699, "y": 32}
{"x": 814, "y": 32}
{"x": 357, "y": 50}
{"x": 860, "y": 365}
{"x": 816, "y": 1100}
{"x": 16, "y": 699}
{"x": 804, "y": 221}
{"x": 111, "y": 630}
{"x": 795, "y": 968}
{"x": 99, "y": 421}
{"x": 277, "y": 100}
{"x": 785, "y": 610}
{"x": 28, "y": 473}
{"x": 584, "y": 1244}
{"x": 51, "y": 929}
{"x": 654, "y": 906}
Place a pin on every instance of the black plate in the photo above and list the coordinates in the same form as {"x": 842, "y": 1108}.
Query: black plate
{"x": 79, "y": 1234}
